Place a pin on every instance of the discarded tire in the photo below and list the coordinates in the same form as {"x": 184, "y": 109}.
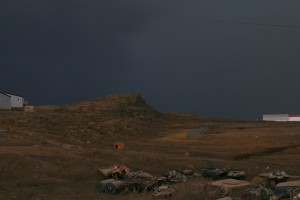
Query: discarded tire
{"x": 100, "y": 186}
{"x": 114, "y": 187}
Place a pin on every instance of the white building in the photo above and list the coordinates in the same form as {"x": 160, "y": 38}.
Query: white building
{"x": 294, "y": 118}
{"x": 11, "y": 101}
{"x": 5, "y": 103}
{"x": 276, "y": 117}
{"x": 281, "y": 118}
{"x": 16, "y": 101}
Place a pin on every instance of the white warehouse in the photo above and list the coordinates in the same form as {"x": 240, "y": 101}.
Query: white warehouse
{"x": 294, "y": 118}
{"x": 11, "y": 101}
{"x": 16, "y": 101}
{"x": 5, "y": 103}
{"x": 281, "y": 118}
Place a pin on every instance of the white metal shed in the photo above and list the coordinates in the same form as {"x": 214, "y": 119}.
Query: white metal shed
{"x": 5, "y": 101}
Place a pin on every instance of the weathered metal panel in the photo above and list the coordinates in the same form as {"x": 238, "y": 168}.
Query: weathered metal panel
{"x": 4, "y": 101}
{"x": 276, "y": 117}
{"x": 230, "y": 183}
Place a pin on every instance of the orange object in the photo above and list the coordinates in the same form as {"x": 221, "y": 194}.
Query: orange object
{"x": 119, "y": 145}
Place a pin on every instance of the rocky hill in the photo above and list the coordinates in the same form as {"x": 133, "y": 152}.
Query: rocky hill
{"x": 115, "y": 117}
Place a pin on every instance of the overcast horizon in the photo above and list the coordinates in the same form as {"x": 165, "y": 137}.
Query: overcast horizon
{"x": 231, "y": 59}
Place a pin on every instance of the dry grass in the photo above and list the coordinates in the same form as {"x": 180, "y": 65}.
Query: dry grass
{"x": 55, "y": 152}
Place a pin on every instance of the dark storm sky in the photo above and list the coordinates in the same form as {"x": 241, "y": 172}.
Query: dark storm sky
{"x": 225, "y": 58}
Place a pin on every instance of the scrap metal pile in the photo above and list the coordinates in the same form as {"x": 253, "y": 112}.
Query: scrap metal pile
{"x": 267, "y": 186}
{"x": 214, "y": 171}
{"x": 120, "y": 179}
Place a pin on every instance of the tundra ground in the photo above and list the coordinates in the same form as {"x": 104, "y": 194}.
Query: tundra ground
{"x": 54, "y": 153}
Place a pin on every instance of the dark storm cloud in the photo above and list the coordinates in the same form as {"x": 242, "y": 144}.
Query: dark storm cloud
{"x": 230, "y": 69}
{"x": 64, "y": 50}
{"x": 220, "y": 58}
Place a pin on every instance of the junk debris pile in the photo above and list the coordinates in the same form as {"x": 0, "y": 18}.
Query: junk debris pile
{"x": 213, "y": 170}
{"x": 119, "y": 179}
{"x": 275, "y": 177}
{"x": 267, "y": 186}
{"x": 236, "y": 173}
